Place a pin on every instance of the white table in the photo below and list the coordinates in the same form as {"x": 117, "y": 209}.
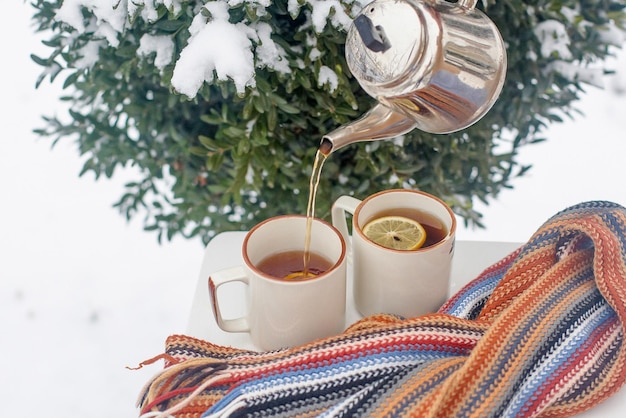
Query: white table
{"x": 470, "y": 259}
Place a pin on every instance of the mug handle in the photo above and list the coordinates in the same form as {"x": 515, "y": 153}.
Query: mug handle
{"x": 342, "y": 205}
{"x": 233, "y": 274}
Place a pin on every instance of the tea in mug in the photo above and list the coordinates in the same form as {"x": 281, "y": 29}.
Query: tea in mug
{"x": 289, "y": 265}
{"x": 434, "y": 227}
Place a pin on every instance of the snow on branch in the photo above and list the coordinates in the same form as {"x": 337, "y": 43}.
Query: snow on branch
{"x": 217, "y": 48}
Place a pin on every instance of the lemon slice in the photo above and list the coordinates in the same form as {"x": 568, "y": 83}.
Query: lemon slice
{"x": 299, "y": 275}
{"x": 396, "y": 232}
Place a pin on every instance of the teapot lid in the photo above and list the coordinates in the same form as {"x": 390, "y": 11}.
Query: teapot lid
{"x": 384, "y": 44}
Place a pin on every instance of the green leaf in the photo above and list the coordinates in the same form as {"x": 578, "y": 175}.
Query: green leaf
{"x": 207, "y": 142}
{"x": 212, "y": 119}
{"x": 199, "y": 151}
{"x": 287, "y": 108}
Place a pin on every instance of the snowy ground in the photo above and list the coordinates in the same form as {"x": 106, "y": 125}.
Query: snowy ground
{"x": 83, "y": 293}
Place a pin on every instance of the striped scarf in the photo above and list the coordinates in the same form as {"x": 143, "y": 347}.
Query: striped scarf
{"x": 537, "y": 334}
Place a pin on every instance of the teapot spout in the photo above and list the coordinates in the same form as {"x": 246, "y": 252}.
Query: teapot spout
{"x": 379, "y": 123}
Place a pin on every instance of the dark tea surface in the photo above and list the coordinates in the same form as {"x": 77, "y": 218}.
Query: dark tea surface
{"x": 434, "y": 227}
{"x": 289, "y": 265}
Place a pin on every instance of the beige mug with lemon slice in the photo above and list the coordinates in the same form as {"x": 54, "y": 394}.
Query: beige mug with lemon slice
{"x": 401, "y": 250}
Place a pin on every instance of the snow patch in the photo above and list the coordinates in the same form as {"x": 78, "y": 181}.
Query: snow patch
{"x": 268, "y": 52}
{"x": 576, "y": 73}
{"x": 216, "y": 46}
{"x": 554, "y": 39}
{"x": 161, "y": 45}
{"x": 328, "y": 77}
{"x": 113, "y": 12}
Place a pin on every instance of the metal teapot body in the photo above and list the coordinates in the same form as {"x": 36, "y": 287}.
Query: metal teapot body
{"x": 431, "y": 64}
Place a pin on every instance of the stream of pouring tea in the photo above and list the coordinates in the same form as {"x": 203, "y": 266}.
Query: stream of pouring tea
{"x": 320, "y": 157}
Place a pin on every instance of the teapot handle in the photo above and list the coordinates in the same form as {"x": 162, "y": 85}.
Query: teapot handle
{"x": 467, "y": 4}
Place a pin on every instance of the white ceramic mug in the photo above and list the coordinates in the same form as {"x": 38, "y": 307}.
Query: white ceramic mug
{"x": 285, "y": 313}
{"x": 406, "y": 283}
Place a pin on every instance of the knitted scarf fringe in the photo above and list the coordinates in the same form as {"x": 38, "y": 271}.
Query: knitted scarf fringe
{"x": 540, "y": 333}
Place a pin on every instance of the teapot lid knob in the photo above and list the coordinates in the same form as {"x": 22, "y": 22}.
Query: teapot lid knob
{"x": 373, "y": 37}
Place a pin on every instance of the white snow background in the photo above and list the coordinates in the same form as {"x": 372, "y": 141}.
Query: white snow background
{"x": 83, "y": 293}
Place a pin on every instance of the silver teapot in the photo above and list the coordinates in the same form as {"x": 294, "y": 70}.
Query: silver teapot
{"x": 431, "y": 64}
